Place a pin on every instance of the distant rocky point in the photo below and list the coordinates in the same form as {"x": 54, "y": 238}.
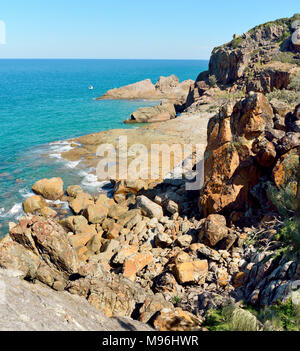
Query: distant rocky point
{"x": 165, "y": 88}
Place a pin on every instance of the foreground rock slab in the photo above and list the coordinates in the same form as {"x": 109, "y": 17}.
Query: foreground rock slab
{"x": 33, "y": 307}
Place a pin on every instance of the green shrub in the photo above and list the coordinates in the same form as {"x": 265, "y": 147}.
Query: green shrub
{"x": 287, "y": 57}
{"x": 237, "y": 42}
{"x": 290, "y": 234}
{"x": 295, "y": 83}
{"x": 279, "y": 317}
{"x": 212, "y": 80}
{"x": 176, "y": 300}
{"x": 288, "y": 96}
{"x": 284, "y": 199}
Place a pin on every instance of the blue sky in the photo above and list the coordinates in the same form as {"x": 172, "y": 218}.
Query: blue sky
{"x": 162, "y": 29}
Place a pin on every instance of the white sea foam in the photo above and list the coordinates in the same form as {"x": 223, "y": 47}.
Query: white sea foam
{"x": 2, "y": 209}
{"x": 16, "y": 211}
{"x": 17, "y": 208}
{"x": 58, "y": 147}
{"x": 64, "y": 204}
{"x": 25, "y": 193}
{"x": 72, "y": 164}
{"x": 55, "y": 155}
{"x": 91, "y": 180}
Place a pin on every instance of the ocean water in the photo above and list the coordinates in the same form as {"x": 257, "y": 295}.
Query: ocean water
{"x": 45, "y": 102}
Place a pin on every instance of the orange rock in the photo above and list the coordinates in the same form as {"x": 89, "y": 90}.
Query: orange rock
{"x": 286, "y": 167}
{"x": 135, "y": 264}
{"x": 222, "y": 277}
{"x": 81, "y": 202}
{"x": 96, "y": 213}
{"x": 239, "y": 280}
{"x": 48, "y": 212}
{"x": 79, "y": 240}
{"x": 214, "y": 229}
{"x": 125, "y": 252}
{"x": 114, "y": 230}
{"x": 34, "y": 203}
{"x": 191, "y": 272}
{"x": 230, "y": 172}
{"x": 182, "y": 257}
{"x": 81, "y": 252}
{"x": 267, "y": 156}
{"x": 51, "y": 189}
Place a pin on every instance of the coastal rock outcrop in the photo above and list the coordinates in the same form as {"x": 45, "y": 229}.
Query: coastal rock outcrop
{"x": 254, "y": 49}
{"x": 262, "y": 60}
{"x": 165, "y": 88}
{"x": 158, "y": 113}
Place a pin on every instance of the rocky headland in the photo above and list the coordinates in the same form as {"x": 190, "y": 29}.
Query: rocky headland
{"x": 225, "y": 257}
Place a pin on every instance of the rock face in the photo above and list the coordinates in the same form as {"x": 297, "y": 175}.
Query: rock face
{"x": 165, "y": 88}
{"x": 236, "y": 139}
{"x": 260, "y": 60}
{"x": 51, "y": 189}
{"x": 33, "y": 307}
{"x": 245, "y": 142}
{"x": 159, "y": 113}
{"x": 264, "y": 43}
{"x": 267, "y": 282}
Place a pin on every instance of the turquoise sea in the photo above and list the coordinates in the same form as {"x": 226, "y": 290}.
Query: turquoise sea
{"x": 46, "y": 101}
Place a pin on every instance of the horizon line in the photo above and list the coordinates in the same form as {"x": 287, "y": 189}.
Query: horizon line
{"x": 87, "y": 58}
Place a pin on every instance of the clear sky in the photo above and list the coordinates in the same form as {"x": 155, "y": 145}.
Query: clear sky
{"x": 162, "y": 29}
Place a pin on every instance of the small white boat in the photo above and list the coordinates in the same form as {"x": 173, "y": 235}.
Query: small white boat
{"x": 91, "y": 87}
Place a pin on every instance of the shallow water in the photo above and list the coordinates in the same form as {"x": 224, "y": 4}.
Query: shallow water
{"x": 42, "y": 101}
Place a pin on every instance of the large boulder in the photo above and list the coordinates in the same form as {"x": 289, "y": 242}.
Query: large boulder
{"x": 48, "y": 240}
{"x": 33, "y": 204}
{"x": 81, "y": 202}
{"x": 214, "y": 229}
{"x": 51, "y": 189}
{"x": 159, "y": 113}
{"x": 267, "y": 44}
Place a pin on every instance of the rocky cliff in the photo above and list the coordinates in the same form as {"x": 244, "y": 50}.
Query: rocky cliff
{"x": 261, "y": 60}
{"x": 247, "y": 55}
